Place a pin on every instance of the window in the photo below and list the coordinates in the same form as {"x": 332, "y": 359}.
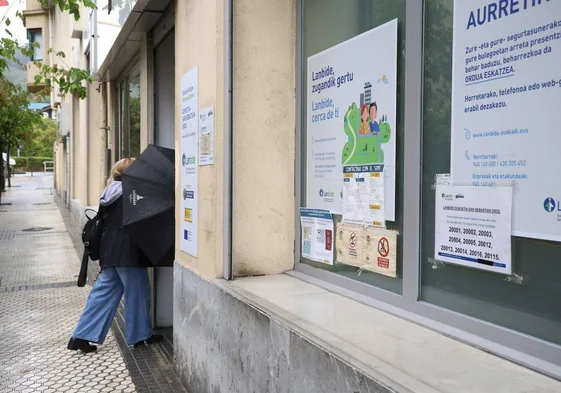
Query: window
{"x": 127, "y": 140}
{"x": 327, "y": 23}
{"x": 35, "y": 37}
{"x": 530, "y": 306}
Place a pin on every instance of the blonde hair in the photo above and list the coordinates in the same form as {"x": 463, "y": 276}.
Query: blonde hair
{"x": 118, "y": 168}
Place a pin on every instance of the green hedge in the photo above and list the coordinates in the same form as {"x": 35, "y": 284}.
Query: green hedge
{"x": 28, "y": 164}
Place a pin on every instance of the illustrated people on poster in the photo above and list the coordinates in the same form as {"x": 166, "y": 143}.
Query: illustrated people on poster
{"x": 364, "y": 125}
{"x": 374, "y": 126}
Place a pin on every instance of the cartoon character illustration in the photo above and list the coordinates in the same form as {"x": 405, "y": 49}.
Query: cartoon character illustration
{"x": 364, "y": 126}
{"x": 374, "y": 126}
{"x": 352, "y": 127}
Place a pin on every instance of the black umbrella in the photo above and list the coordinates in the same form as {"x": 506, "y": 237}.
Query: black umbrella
{"x": 149, "y": 203}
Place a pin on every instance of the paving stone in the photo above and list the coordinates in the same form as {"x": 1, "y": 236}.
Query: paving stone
{"x": 40, "y": 305}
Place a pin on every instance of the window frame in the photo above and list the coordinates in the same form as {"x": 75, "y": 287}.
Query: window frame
{"x": 518, "y": 347}
{"x": 31, "y": 34}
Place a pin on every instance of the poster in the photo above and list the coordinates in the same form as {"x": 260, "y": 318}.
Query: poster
{"x": 189, "y": 158}
{"x": 506, "y": 90}
{"x": 363, "y": 195}
{"x": 473, "y": 227}
{"x": 317, "y": 235}
{"x": 206, "y": 136}
{"x": 372, "y": 249}
{"x": 351, "y": 115}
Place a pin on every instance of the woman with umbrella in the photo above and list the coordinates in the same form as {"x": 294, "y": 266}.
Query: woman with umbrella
{"x": 123, "y": 271}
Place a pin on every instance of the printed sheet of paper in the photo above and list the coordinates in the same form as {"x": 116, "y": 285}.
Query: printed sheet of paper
{"x": 363, "y": 195}
{"x": 206, "y": 136}
{"x": 317, "y": 235}
{"x": 373, "y": 249}
{"x": 474, "y": 226}
{"x": 349, "y": 244}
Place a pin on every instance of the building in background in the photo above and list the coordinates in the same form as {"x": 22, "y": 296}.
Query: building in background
{"x": 289, "y": 322}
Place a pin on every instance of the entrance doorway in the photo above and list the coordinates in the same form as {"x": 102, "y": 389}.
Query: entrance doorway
{"x": 164, "y": 135}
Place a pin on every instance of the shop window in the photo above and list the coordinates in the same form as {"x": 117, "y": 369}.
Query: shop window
{"x": 35, "y": 36}
{"x": 526, "y": 302}
{"x": 326, "y": 24}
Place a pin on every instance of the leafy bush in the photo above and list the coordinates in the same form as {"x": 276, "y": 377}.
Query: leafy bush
{"x": 29, "y": 164}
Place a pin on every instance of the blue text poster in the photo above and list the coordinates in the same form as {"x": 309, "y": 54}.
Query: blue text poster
{"x": 506, "y": 99}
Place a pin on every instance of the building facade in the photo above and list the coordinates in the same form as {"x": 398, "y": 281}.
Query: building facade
{"x": 256, "y": 310}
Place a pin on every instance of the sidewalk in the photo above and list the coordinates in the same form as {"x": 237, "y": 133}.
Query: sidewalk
{"x": 40, "y": 305}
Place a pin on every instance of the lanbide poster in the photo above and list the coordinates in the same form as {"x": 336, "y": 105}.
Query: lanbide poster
{"x": 351, "y": 115}
{"x": 506, "y": 92}
{"x": 189, "y": 159}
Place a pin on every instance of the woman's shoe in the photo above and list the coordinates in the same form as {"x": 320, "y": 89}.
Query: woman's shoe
{"x": 77, "y": 343}
{"x": 155, "y": 338}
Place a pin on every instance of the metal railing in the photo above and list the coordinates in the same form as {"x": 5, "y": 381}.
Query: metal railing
{"x": 48, "y": 166}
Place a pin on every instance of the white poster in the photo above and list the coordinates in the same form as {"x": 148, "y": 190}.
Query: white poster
{"x": 189, "y": 157}
{"x": 505, "y": 106}
{"x": 317, "y": 235}
{"x": 473, "y": 227}
{"x": 206, "y": 136}
{"x": 351, "y": 115}
{"x": 363, "y": 195}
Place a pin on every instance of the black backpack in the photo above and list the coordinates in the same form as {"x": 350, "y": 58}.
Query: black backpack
{"x": 91, "y": 238}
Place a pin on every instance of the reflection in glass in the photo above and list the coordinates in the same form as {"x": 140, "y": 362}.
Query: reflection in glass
{"x": 327, "y": 23}
{"x": 531, "y": 307}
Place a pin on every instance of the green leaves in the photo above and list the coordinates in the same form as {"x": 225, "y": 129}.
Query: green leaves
{"x": 16, "y": 120}
{"x": 68, "y": 79}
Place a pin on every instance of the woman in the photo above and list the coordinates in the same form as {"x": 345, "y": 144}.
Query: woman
{"x": 364, "y": 126}
{"x": 123, "y": 270}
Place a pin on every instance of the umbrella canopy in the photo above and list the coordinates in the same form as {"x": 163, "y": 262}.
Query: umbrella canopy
{"x": 149, "y": 203}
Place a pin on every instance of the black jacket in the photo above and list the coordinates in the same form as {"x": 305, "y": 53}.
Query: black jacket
{"x": 116, "y": 247}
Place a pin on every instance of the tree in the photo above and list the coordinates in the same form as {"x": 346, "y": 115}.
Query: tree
{"x": 38, "y": 142}
{"x": 69, "y": 79}
{"x": 16, "y": 120}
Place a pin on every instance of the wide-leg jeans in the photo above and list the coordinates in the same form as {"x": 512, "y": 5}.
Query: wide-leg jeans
{"x": 103, "y": 302}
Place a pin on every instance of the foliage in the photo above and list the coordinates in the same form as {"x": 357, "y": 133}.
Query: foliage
{"x": 16, "y": 120}
{"x": 69, "y": 79}
{"x": 28, "y": 164}
{"x": 39, "y": 141}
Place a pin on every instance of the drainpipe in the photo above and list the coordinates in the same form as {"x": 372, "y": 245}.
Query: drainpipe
{"x": 228, "y": 143}
{"x": 103, "y": 134}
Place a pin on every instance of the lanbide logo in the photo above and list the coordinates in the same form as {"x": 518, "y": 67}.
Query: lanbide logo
{"x": 326, "y": 194}
{"x": 549, "y": 205}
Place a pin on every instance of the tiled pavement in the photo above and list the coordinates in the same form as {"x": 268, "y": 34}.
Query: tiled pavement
{"x": 40, "y": 305}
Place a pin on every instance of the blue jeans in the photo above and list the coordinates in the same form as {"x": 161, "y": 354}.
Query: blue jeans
{"x": 103, "y": 302}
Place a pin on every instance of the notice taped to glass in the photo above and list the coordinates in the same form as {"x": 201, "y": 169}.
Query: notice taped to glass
{"x": 473, "y": 227}
{"x": 363, "y": 195}
{"x": 506, "y": 90}
{"x": 317, "y": 235}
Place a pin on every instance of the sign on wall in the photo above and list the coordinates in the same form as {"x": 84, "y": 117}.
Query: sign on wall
{"x": 189, "y": 159}
{"x": 206, "y": 136}
{"x": 506, "y": 90}
{"x": 473, "y": 227}
{"x": 351, "y": 115}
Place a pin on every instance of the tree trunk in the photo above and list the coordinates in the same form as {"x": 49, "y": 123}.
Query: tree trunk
{"x": 1, "y": 172}
{"x": 9, "y": 172}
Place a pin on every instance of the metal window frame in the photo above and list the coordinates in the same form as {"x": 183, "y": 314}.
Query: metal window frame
{"x": 520, "y": 348}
